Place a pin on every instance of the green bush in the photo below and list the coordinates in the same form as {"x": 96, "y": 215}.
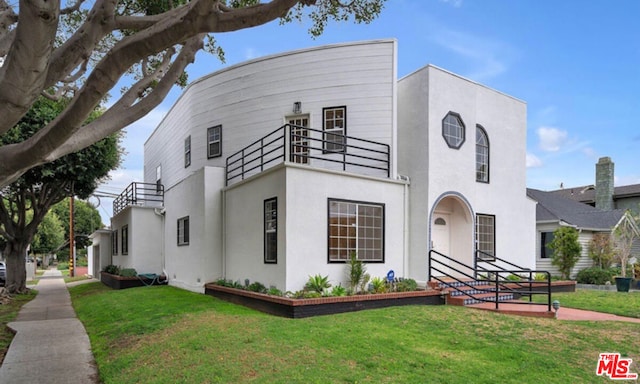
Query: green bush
{"x": 112, "y": 269}
{"x": 273, "y": 291}
{"x": 379, "y": 285}
{"x": 128, "y": 272}
{"x": 595, "y": 275}
{"x": 338, "y": 290}
{"x": 257, "y": 287}
{"x": 407, "y": 285}
{"x": 63, "y": 266}
{"x": 317, "y": 283}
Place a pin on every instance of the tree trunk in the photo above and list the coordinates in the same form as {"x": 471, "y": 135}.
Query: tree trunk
{"x": 15, "y": 253}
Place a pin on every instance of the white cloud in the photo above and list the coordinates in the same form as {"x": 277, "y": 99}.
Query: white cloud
{"x": 455, "y": 3}
{"x": 533, "y": 161}
{"x": 489, "y": 57}
{"x": 551, "y": 139}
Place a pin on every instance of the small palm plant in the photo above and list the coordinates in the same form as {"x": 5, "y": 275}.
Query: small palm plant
{"x": 317, "y": 283}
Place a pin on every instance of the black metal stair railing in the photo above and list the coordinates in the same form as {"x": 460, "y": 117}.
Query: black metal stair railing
{"x": 454, "y": 274}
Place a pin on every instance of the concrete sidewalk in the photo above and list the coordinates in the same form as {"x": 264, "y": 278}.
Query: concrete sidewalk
{"x": 51, "y": 344}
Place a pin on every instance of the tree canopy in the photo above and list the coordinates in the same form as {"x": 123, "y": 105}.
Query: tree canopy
{"x": 82, "y": 50}
{"x": 86, "y": 219}
{"x": 25, "y": 202}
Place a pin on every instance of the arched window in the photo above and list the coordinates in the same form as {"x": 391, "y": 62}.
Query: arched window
{"x": 482, "y": 155}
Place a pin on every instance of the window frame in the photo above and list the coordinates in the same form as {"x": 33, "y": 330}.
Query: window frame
{"x": 341, "y": 146}
{"x": 463, "y": 130}
{"x": 125, "y": 239}
{"x": 114, "y": 242}
{"x": 483, "y": 132}
{"x": 493, "y": 234}
{"x": 269, "y": 233}
{"x": 544, "y": 248}
{"x": 219, "y": 141}
{"x": 159, "y": 178}
{"x": 382, "y": 230}
{"x": 182, "y": 222}
{"x": 187, "y": 151}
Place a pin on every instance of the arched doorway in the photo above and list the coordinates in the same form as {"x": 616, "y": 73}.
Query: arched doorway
{"x": 451, "y": 228}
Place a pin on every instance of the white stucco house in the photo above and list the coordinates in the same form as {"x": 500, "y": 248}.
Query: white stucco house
{"x": 280, "y": 167}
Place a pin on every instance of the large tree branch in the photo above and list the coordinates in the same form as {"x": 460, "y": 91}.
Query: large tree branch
{"x": 24, "y": 70}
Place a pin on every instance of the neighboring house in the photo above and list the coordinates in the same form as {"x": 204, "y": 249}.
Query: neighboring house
{"x": 554, "y": 211}
{"x": 280, "y": 167}
{"x": 603, "y": 194}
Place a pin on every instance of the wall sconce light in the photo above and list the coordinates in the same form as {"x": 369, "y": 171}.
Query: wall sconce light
{"x": 297, "y": 107}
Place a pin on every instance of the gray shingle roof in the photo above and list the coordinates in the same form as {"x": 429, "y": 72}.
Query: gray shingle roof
{"x": 587, "y": 193}
{"x": 555, "y": 207}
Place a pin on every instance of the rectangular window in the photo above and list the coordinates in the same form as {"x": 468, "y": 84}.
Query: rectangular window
{"x": 159, "y": 178}
{"x": 214, "y": 141}
{"x": 299, "y": 139}
{"x": 356, "y": 227}
{"x": 486, "y": 236}
{"x": 545, "y": 239}
{"x": 187, "y": 151}
{"x": 125, "y": 240}
{"x": 183, "y": 231}
{"x": 114, "y": 242}
{"x": 334, "y": 125}
{"x": 271, "y": 230}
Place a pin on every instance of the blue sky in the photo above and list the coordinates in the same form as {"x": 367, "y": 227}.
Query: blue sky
{"x": 575, "y": 63}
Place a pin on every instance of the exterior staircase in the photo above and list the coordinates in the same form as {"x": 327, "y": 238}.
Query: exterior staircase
{"x": 469, "y": 292}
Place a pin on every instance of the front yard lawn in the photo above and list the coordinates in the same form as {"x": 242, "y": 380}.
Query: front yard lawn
{"x": 162, "y": 334}
{"x": 617, "y": 303}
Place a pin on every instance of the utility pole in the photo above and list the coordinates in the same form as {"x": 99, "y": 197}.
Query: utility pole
{"x": 72, "y": 240}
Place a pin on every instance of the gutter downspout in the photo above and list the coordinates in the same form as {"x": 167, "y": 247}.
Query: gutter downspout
{"x": 161, "y": 213}
{"x": 223, "y": 241}
{"x": 405, "y": 229}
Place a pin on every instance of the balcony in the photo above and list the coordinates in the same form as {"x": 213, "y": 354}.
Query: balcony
{"x": 308, "y": 146}
{"x": 139, "y": 195}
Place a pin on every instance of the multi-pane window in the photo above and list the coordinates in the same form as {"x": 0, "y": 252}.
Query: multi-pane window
{"x": 187, "y": 151}
{"x": 125, "y": 240}
{"x": 159, "y": 178}
{"x": 114, "y": 242}
{"x": 453, "y": 130}
{"x": 183, "y": 230}
{"x": 486, "y": 236}
{"x": 271, "y": 230}
{"x": 545, "y": 239}
{"x": 335, "y": 128}
{"x": 214, "y": 141}
{"x": 482, "y": 155}
{"x": 299, "y": 139}
{"x": 356, "y": 227}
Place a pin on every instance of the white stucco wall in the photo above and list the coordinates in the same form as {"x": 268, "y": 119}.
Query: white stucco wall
{"x": 252, "y": 99}
{"x": 198, "y": 197}
{"x": 144, "y": 231}
{"x": 425, "y": 97}
{"x": 99, "y": 253}
{"x": 303, "y": 195}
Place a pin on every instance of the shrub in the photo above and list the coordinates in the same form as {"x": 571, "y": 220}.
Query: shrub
{"x": 513, "y": 277}
{"x": 378, "y": 285}
{"x": 317, "y": 283}
{"x": 595, "y": 275}
{"x": 112, "y": 269}
{"x": 601, "y": 250}
{"x": 356, "y": 272}
{"x": 540, "y": 277}
{"x": 257, "y": 287}
{"x": 128, "y": 272}
{"x": 338, "y": 290}
{"x": 407, "y": 285}
{"x": 63, "y": 266}
{"x": 273, "y": 291}
{"x": 566, "y": 250}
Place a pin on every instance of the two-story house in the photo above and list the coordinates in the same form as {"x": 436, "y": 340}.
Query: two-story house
{"x": 281, "y": 167}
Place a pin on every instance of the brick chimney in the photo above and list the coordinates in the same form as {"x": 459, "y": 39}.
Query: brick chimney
{"x": 604, "y": 184}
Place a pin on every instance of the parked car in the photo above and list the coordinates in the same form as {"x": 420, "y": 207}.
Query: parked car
{"x": 3, "y": 273}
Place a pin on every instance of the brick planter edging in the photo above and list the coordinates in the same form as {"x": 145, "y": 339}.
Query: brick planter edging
{"x": 121, "y": 282}
{"x": 299, "y": 308}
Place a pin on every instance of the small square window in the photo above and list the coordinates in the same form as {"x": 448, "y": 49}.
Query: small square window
{"x": 271, "y": 231}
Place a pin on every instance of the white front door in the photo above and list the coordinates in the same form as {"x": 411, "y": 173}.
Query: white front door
{"x": 440, "y": 233}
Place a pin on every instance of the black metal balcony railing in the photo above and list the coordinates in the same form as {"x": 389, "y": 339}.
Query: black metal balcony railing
{"x": 139, "y": 194}
{"x": 304, "y": 145}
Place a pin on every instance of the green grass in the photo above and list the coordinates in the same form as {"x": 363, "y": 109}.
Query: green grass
{"x": 7, "y": 314}
{"x": 617, "y": 303}
{"x": 75, "y": 278}
{"x": 162, "y": 334}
